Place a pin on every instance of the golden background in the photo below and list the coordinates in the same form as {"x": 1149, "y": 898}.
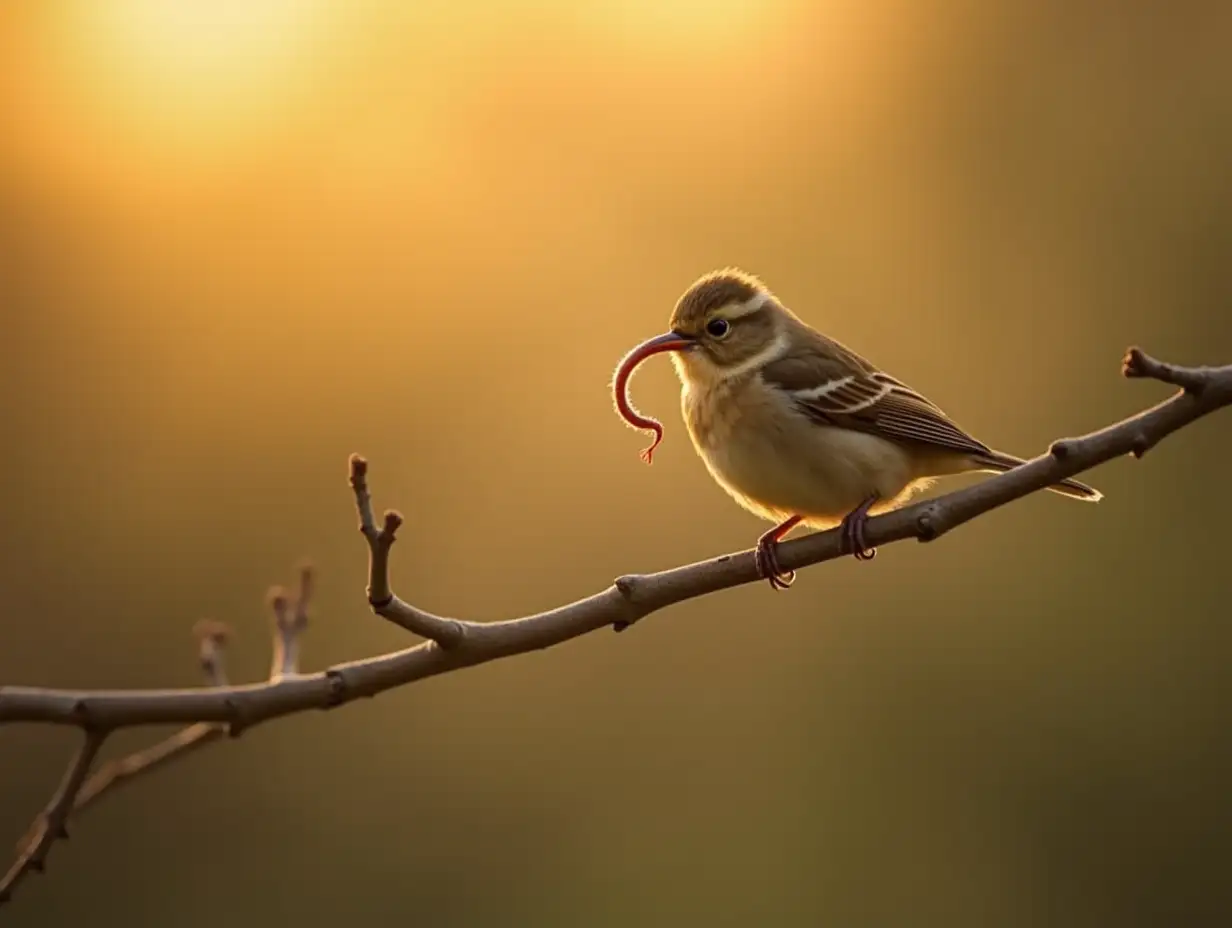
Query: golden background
{"x": 240, "y": 240}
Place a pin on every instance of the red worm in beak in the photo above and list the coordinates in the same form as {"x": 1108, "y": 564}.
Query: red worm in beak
{"x": 670, "y": 341}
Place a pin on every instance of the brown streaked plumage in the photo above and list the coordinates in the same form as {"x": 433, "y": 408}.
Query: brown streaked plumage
{"x": 797, "y": 427}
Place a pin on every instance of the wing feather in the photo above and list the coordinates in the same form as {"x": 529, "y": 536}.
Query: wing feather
{"x": 838, "y": 387}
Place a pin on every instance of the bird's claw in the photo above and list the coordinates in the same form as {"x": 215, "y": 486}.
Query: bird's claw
{"x": 852, "y": 531}
{"x": 768, "y": 567}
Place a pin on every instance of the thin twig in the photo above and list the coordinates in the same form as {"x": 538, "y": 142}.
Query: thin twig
{"x": 81, "y": 789}
{"x": 121, "y": 770}
{"x": 446, "y": 633}
{"x": 454, "y": 644}
{"x": 290, "y": 623}
{"x": 50, "y": 825}
{"x": 212, "y": 640}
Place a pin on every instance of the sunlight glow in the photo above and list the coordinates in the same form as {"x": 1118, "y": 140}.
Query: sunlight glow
{"x": 200, "y": 59}
{"x": 681, "y": 23}
{"x": 134, "y": 99}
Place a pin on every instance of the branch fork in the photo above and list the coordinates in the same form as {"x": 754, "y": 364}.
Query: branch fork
{"x": 446, "y": 633}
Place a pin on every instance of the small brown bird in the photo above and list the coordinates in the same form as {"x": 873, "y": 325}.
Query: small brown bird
{"x": 797, "y": 427}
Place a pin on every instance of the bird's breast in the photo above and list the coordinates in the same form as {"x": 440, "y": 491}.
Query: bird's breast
{"x": 709, "y": 414}
{"x": 777, "y": 462}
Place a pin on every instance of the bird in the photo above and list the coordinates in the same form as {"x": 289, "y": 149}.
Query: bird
{"x": 798, "y": 428}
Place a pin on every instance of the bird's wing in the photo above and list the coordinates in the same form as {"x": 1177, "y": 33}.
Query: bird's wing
{"x": 837, "y": 387}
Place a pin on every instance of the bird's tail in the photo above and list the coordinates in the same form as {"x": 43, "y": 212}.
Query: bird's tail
{"x": 999, "y": 463}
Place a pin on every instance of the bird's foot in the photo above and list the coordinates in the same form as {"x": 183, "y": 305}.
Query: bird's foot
{"x": 768, "y": 566}
{"x": 852, "y": 530}
{"x": 766, "y": 555}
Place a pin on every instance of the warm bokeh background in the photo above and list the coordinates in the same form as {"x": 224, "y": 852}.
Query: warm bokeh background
{"x": 240, "y": 239}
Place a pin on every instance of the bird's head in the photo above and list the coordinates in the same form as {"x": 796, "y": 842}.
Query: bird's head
{"x": 729, "y": 323}
{"x": 725, "y": 325}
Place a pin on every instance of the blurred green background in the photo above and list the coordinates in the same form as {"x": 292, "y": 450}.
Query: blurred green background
{"x": 239, "y": 241}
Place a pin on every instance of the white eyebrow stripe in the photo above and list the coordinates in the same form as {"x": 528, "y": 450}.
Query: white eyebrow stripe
{"x": 747, "y": 308}
{"x": 771, "y": 353}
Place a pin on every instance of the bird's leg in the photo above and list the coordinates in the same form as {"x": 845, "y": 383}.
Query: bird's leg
{"x": 766, "y": 555}
{"x": 852, "y": 529}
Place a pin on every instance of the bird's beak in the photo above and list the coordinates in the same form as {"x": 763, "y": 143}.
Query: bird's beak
{"x": 668, "y": 341}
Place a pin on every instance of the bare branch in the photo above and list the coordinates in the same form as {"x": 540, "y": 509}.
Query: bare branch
{"x": 121, "y": 770}
{"x": 50, "y": 825}
{"x": 447, "y": 633}
{"x": 303, "y": 595}
{"x": 79, "y": 789}
{"x": 454, "y": 644}
{"x": 290, "y": 623}
{"x": 1137, "y": 363}
{"x": 287, "y": 632}
{"x": 212, "y": 639}
{"x": 630, "y": 598}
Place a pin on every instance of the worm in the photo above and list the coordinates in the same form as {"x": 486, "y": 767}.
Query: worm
{"x": 620, "y": 385}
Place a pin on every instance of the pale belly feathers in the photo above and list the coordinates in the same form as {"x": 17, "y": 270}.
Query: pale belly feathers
{"x": 777, "y": 463}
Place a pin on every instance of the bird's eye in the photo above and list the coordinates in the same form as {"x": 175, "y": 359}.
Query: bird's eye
{"x": 718, "y": 328}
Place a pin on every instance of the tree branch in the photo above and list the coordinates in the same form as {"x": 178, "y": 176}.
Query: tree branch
{"x": 452, "y": 644}
{"x": 447, "y": 633}
{"x": 212, "y": 639}
{"x": 50, "y": 825}
{"x": 79, "y": 789}
{"x": 290, "y": 623}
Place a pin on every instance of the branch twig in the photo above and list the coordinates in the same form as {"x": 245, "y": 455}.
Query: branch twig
{"x": 51, "y": 823}
{"x": 80, "y": 789}
{"x": 290, "y": 623}
{"x": 211, "y": 650}
{"x": 453, "y": 644}
{"x": 446, "y": 633}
